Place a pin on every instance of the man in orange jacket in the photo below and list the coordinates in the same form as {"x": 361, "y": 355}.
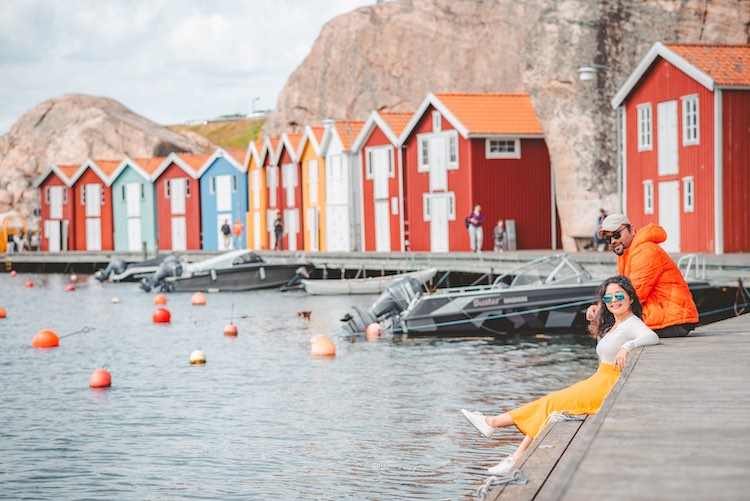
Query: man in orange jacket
{"x": 668, "y": 306}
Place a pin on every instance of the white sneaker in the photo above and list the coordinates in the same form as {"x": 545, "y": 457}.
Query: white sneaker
{"x": 503, "y": 467}
{"x": 480, "y": 423}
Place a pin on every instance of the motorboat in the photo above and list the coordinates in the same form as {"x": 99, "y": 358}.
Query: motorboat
{"x": 549, "y": 294}
{"x": 117, "y": 270}
{"x": 370, "y": 285}
{"x": 239, "y": 270}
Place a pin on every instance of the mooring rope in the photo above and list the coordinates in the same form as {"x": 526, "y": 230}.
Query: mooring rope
{"x": 84, "y": 330}
{"x": 517, "y": 477}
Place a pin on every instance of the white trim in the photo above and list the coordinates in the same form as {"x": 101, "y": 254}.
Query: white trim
{"x": 91, "y": 164}
{"x": 437, "y": 121}
{"x": 718, "y": 174}
{"x": 516, "y": 153}
{"x": 482, "y": 135}
{"x": 423, "y": 167}
{"x": 52, "y": 168}
{"x": 134, "y": 165}
{"x": 688, "y": 194}
{"x": 399, "y": 166}
{"x": 173, "y": 158}
{"x": 221, "y": 153}
{"x": 648, "y": 196}
{"x": 309, "y": 137}
{"x": 431, "y": 99}
{"x": 443, "y": 194}
{"x": 374, "y": 120}
{"x": 624, "y": 174}
{"x": 662, "y": 51}
{"x": 553, "y": 196}
{"x": 684, "y": 100}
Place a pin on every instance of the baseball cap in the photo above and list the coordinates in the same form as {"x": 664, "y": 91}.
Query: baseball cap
{"x": 612, "y": 223}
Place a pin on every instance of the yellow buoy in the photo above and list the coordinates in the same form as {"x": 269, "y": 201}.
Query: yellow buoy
{"x": 197, "y": 357}
{"x": 321, "y": 346}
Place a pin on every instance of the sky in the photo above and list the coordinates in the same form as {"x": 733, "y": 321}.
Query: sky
{"x": 172, "y": 61}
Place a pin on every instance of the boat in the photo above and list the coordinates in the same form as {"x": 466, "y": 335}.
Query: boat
{"x": 117, "y": 270}
{"x": 370, "y": 285}
{"x": 546, "y": 295}
{"x": 239, "y": 270}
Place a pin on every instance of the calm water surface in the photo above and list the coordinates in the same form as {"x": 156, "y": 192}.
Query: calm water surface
{"x": 263, "y": 419}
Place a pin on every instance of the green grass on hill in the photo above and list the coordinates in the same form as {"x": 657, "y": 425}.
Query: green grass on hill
{"x": 228, "y": 134}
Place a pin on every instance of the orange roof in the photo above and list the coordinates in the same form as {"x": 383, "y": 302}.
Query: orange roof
{"x": 348, "y": 132}
{"x": 274, "y": 144}
{"x": 725, "y": 64}
{"x": 295, "y": 139}
{"x": 238, "y": 154}
{"x": 493, "y": 113}
{"x": 396, "y": 121}
{"x": 194, "y": 160}
{"x": 68, "y": 170}
{"x": 318, "y": 131}
{"x": 107, "y": 166}
{"x": 149, "y": 164}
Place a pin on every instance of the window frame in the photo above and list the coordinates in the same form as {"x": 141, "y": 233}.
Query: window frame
{"x": 423, "y": 153}
{"x": 688, "y": 194}
{"x": 686, "y": 115}
{"x": 426, "y": 205}
{"x": 648, "y": 196}
{"x": 515, "y": 154}
{"x": 437, "y": 121}
{"x": 645, "y": 116}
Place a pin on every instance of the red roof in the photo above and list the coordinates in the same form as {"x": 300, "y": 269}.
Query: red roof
{"x": 238, "y": 154}
{"x": 68, "y": 170}
{"x": 348, "y": 132}
{"x": 488, "y": 113}
{"x": 107, "y": 166}
{"x": 396, "y": 121}
{"x": 194, "y": 160}
{"x": 149, "y": 164}
{"x": 725, "y": 64}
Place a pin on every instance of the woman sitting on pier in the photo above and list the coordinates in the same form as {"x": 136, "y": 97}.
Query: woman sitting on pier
{"x": 618, "y": 330}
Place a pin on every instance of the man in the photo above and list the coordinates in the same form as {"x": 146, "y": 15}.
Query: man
{"x": 668, "y": 306}
{"x": 225, "y": 231}
{"x": 278, "y": 231}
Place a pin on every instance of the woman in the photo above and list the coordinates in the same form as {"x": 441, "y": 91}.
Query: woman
{"x": 618, "y": 330}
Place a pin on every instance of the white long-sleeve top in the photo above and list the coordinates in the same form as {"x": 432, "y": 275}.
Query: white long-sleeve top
{"x": 630, "y": 334}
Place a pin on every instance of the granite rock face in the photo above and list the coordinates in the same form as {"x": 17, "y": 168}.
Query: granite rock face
{"x": 389, "y": 56}
{"x": 70, "y": 130}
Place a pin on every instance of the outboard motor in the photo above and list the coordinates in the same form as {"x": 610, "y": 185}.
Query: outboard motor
{"x": 168, "y": 268}
{"x": 295, "y": 282}
{"x": 392, "y": 301}
{"x": 115, "y": 266}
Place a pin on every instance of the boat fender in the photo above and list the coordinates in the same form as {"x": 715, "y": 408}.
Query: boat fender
{"x": 373, "y": 331}
{"x": 262, "y": 273}
{"x": 230, "y": 330}
{"x": 198, "y": 299}
{"x": 321, "y": 346}
{"x": 160, "y": 299}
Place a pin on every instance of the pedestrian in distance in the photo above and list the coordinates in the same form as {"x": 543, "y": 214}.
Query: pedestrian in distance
{"x": 618, "y": 329}
{"x": 278, "y": 231}
{"x": 668, "y": 306}
{"x": 237, "y": 228}
{"x": 499, "y": 236}
{"x": 226, "y": 234}
{"x": 474, "y": 222}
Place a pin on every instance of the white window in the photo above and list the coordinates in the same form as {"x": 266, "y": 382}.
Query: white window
{"x": 690, "y": 121}
{"x": 436, "y": 121}
{"x": 453, "y": 150}
{"x": 427, "y": 199}
{"x": 502, "y": 148}
{"x": 423, "y": 152}
{"x": 272, "y": 180}
{"x": 648, "y": 197}
{"x": 644, "y": 127}
{"x": 688, "y": 194}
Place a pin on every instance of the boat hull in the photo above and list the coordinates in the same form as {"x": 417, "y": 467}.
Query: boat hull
{"x": 372, "y": 285}
{"x": 238, "y": 278}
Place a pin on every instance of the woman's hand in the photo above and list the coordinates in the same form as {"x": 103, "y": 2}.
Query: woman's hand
{"x": 593, "y": 311}
{"x": 621, "y": 359}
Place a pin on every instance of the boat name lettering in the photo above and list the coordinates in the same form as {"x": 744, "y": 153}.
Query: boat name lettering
{"x": 491, "y": 301}
{"x": 516, "y": 299}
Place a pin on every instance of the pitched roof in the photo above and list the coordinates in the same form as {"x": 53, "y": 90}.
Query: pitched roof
{"x": 295, "y": 139}
{"x": 318, "y": 131}
{"x": 396, "y": 121}
{"x": 725, "y": 64}
{"x": 237, "y": 153}
{"x": 107, "y": 166}
{"x": 348, "y": 132}
{"x": 149, "y": 165}
{"x": 68, "y": 170}
{"x": 487, "y": 113}
{"x": 194, "y": 160}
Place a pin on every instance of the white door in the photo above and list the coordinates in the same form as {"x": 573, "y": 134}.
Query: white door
{"x": 177, "y": 192}
{"x": 439, "y": 208}
{"x": 134, "y": 234}
{"x": 289, "y": 182}
{"x": 179, "y": 234}
{"x": 52, "y": 230}
{"x": 666, "y": 140}
{"x": 382, "y": 226}
{"x": 313, "y": 226}
{"x": 223, "y": 193}
{"x": 438, "y": 164}
{"x": 256, "y": 189}
{"x": 337, "y": 228}
{"x": 291, "y": 227}
{"x": 93, "y": 232}
{"x": 56, "y": 202}
{"x": 219, "y": 222}
{"x": 133, "y": 199}
{"x": 93, "y": 200}
{"x": 669, "y": 214}
{"x": 256, "y": 229}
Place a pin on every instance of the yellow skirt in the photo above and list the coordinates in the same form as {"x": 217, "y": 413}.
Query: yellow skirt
{"x": 584, "y": 397}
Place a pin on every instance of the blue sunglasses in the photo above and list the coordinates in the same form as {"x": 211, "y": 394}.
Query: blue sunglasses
{"x": 607, "y": 298}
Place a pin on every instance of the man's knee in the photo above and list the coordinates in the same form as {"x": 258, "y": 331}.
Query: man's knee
{"x": 675, "y": 331}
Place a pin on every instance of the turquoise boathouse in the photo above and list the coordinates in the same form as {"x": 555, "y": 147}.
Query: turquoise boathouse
{"x": 223, "y": 185}
{"x": 134, "y": 204}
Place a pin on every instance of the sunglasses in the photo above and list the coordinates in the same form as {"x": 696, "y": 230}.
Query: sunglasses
{"x": 615, "y": 235}
{"x": 607, "y": 298}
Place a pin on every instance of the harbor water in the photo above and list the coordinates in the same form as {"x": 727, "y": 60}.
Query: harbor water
{"x": 262, "y": 419}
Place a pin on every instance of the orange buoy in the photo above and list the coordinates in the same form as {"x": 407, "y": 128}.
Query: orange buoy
{"x": 45, "y": 338}
{"x": 13, "y": 273}
{"x": 322, "y": 347}
{"x": 29, "y": 283}
{"x": 100, "y": 378}
{"x": 70, "y": 287}
{"x": 199, "y": 299}
{"x": 197, "y": 357}
{"x": 230, "y": 330}
{"x": 161, "y": 316}
{"x": 373, "y": 331}
{"x": 160, "y": 299}
{"x": 3, "y": 313}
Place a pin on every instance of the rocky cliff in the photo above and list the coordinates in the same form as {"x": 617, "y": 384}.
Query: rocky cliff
{"x": 389, "y": 56}
{"x": 71, "y": 129}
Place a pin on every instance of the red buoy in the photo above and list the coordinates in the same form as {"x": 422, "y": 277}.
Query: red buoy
{"x": 199, "y": 299}
{"x": 29, "y": 283}
{"x": 13, "y": 273}
{"x": 3, "y": 313}
{"x": 100, "y": 379}
{"x": 45, "y": 338}
{"x": 161, "y": 316}
{"x": 230, "y": 330}
{"x": 70, "y": 287}
{"x": 160, "y": 299}
{"x": 373, "y": 331}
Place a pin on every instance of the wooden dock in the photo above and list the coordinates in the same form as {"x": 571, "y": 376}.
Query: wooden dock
{"x": 675, "y": 427}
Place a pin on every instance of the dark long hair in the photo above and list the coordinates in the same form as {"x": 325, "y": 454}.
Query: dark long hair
{"x": 605, "y": 320}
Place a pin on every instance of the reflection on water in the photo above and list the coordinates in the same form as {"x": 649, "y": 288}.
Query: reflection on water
{"x": 262, "y": 419}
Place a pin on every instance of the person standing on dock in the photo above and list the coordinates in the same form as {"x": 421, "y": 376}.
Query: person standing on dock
{"x": 500, "y": 237}
{"x": 474, "y": 222}
{"x": 668, "y": 306}
{"x": 237, "y": 230}
{"x": 618, "y": 329}
{"x": 226, "y": 233}
{"x": 278, "y": 231}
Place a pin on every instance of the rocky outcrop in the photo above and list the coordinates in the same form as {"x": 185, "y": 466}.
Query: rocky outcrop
{"x": 389, "y": 56}
{"x": 69, "y": 130}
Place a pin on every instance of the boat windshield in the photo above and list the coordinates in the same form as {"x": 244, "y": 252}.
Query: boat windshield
{"x": 549, "y": 270}
{"x": 247, "y": 258}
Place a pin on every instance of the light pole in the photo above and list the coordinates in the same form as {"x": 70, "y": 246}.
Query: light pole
{"x": 253, "y": 104}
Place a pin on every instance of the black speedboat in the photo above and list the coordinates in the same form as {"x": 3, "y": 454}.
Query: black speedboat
{"x": 550, "y": 294}
{"x": 117, "y": 270}
{"x": 239, "y": 270}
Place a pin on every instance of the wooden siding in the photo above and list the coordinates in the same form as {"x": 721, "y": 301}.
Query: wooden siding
{"x": 192, "y": 210}
{"x": 284, "y": 204}
{"x": 107, "y": 231}
{"x": 68, "y": 212}
{"x": 378, "y": 138}
{"x": 736, "y": 171}
{"x": 518, "y": 189}
{"x": 308, "y": 154}
{"x": 664, "y": 82}
{"x": 262, "y": 205}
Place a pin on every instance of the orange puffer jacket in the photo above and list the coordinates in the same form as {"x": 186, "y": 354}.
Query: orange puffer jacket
{"x": 665, "y": 296}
